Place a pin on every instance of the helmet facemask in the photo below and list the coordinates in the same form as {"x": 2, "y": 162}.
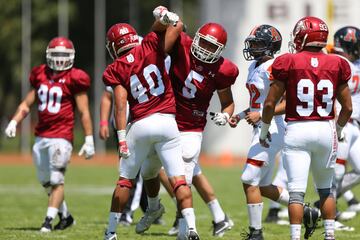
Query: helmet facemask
{"x": 256, "y": 49}
{"x": 206, "y": 48}
{"x": 60, "y": 58}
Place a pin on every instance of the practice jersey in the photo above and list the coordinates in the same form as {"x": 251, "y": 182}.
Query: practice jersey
{"x": 55, "y": 98}
{"x": 354, "y": 87}
{"x": 194, "y": 83}
{"x": 311, "y": 80}
{"x": 142, "y": 72}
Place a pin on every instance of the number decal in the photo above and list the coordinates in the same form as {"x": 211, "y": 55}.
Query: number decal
{"x": 306, "y": 93}
{"x": 254, "y": 95}
{"x": 189, "y": 89}
{"x": 139, "y": 92}
{"x": 49, "y": 99}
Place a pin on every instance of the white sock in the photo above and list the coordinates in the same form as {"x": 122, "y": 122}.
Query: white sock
{"x": 255, "y": 212}
{"x": 284, "y": 197}
{"x": 348, "y": 195}
{"x": 114, "y": 219}
{"x": 52, "y": 212}
{"x": 274, "y": 204}
{"x": 295, "y": 231}
{"x": 216, "y": 210}
{"x": 153, "y": 203}
{"x": 63, "y": 209}
{"x": 329, "y": 225}
{"x": 189, "y": 215}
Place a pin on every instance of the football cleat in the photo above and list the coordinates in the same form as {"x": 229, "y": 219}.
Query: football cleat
{"x": 220, "y": 227}
{"x": 65, "y": 223}
{"x": 148, "y": 219}
{"x": 175, "y": 227}
{"x": 346, "y": 215}
{"x": 310, "y": 219}
{"x": 254, "y": 234}
{"x": 354, "y": 207}
{"x": 272, "y": 216}
{"x": 124, "y": 221}
{"x": 46, "y": 226}
{"x": 110, "y": 235}
{"x": 341, "y": 227}
{"x": 192, "y": 235}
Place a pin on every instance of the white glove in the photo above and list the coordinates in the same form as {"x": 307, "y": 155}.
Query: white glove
{"x": 88, "y": 147}
{"x": 159, "y": 12}
{"x": 340, "y": 133}
{"x": 265, "y": 135}
{"x": 124, "y": 151}
{"x": 169, "y": 18}
{"x": 220, "y": 119}
{"x": 10, "y": 130}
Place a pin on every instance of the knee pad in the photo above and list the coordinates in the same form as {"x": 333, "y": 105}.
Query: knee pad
{"x": 339, "y": 171}
{"x": 125, "y": 183}
{"x": 178, "y": 184}
{"x": 325, "y": 193}
{"x": 251, "y": 175}
{"x": 296, "y": 197}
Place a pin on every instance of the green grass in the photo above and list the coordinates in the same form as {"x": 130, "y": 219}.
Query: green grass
{"x": 88, "y": 192}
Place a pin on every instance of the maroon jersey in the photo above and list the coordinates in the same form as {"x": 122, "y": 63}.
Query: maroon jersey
{"x": 194, "y": 83}
{"x": 141, "y": 71}
{"x": 56, "y": 102}
{"x": 311, "y": 80}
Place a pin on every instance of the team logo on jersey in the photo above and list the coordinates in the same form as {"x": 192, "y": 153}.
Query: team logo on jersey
{"x": 130, "y": 58}
{"x": 211, "y": 74}
{"x": 62, "y": 80}
{"x": 197, "y": 113}
{"x": 314, "y": 62}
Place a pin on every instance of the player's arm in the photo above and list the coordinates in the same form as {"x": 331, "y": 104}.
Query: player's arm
{"x": 227, "y": 107}
{"x": 82, "y": 104}
{"x": 276, "y": 91}
{"x": 280, "y": 108}
{"x": 120, "y": 97}
{"x": 105, "y": 109}
{"x": 21, "y": 112}
{"x": 344, "y": 97}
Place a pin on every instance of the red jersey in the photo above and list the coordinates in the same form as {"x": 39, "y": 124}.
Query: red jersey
{"x": 141, "y": 71}
{"x": 311, "y": 80}
{"x": 56, "y": 102}
{"x": 194, "y": 83}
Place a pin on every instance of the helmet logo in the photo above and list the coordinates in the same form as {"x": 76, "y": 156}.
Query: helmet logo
{"x": 123, "y": 30}
{"x": 275, "y": 34}
{"x": 350, "y": 35}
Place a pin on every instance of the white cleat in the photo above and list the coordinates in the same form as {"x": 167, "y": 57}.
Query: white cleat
{"x": 110, "y": 236}
{"x": 341, "y": 227}
{"x": 347, "y": 215}
{"x": 354, "y": 207}
{"x": 283, "y": 213}
{"x": 148, "y": 219}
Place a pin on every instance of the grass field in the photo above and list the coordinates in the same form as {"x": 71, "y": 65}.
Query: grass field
{"x": 88, "y": 193}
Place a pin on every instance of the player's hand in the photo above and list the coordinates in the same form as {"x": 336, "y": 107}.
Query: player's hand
{"x": 88, "y": 147}
{"x": 104, "y": 132}
{"x": 340, "y": 133}
{"x": 10, "y": 130}
{"x": 123, "y": 149}
{"x": 263, "y": 142}
{"x": 233, "y": 121}
{"x": 253, "y": 118}
{"x": 220, "y": 119}
{"x": 169, "y": 18}
{"x": 159, "y": 11}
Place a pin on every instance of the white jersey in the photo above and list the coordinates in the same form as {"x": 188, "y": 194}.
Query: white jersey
{"x": 258, "y": 84}
{"x": 354, "y": 86}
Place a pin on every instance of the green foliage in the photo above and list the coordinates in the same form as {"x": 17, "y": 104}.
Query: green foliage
{"x": 88, "y": 193}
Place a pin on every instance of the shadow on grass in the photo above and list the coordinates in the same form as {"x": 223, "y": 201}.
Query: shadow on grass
{"x": 37, "y": 229}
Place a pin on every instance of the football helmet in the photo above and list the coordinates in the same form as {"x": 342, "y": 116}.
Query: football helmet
{"x": 209, "y": 42}
{"x": 347, "y": 40}
{"x": 60, "y": 54}
{"x": 264, "y": 40}
{"x": 308, "y": 32}
{"x": 119, "y": 38}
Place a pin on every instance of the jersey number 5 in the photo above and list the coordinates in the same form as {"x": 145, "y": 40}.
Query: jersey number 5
{"x": 49, "y": 99}
{"x": 306, "y": 94}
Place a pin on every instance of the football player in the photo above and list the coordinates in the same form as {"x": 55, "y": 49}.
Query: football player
{"x": 197, "y": 71}
{"x": 138, "y": 75}
{"x": 312, "y": 80}
{"x": 58, "y": 88}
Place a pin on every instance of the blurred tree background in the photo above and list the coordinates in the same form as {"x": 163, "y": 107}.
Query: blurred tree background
{"x": 44, "y": 26}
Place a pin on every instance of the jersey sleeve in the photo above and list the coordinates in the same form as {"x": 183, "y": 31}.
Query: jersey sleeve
{"x": 153, "y": 42}
{"x": 280, "y": 68}
{"x": 345, "y": 71}
{"x": 80, "y": 81}
{"x": 33, "y": 78}
{"x": 227, "y": 76}
{"x": 111, "y": 77}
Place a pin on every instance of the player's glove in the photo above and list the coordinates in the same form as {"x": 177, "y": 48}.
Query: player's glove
{"x": 169, "y": 18}
{"x": 88, "y": 147}
{"x": 159, "y": 11}
{"x": 10, "y": 130}
{"x": 123, "y": 147}
{"x": 220, "y": 119}
{"x": 265, "y": 135}
{"x": 340, "y": 133}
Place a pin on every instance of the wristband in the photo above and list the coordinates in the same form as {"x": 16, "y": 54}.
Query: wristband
{"x": 104, "y": 123}
{"x": 264, "y": 130}
{"x": 121, "y": 134}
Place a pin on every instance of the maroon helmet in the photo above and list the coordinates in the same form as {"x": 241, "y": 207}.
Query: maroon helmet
{"x": 60, "y": 54}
